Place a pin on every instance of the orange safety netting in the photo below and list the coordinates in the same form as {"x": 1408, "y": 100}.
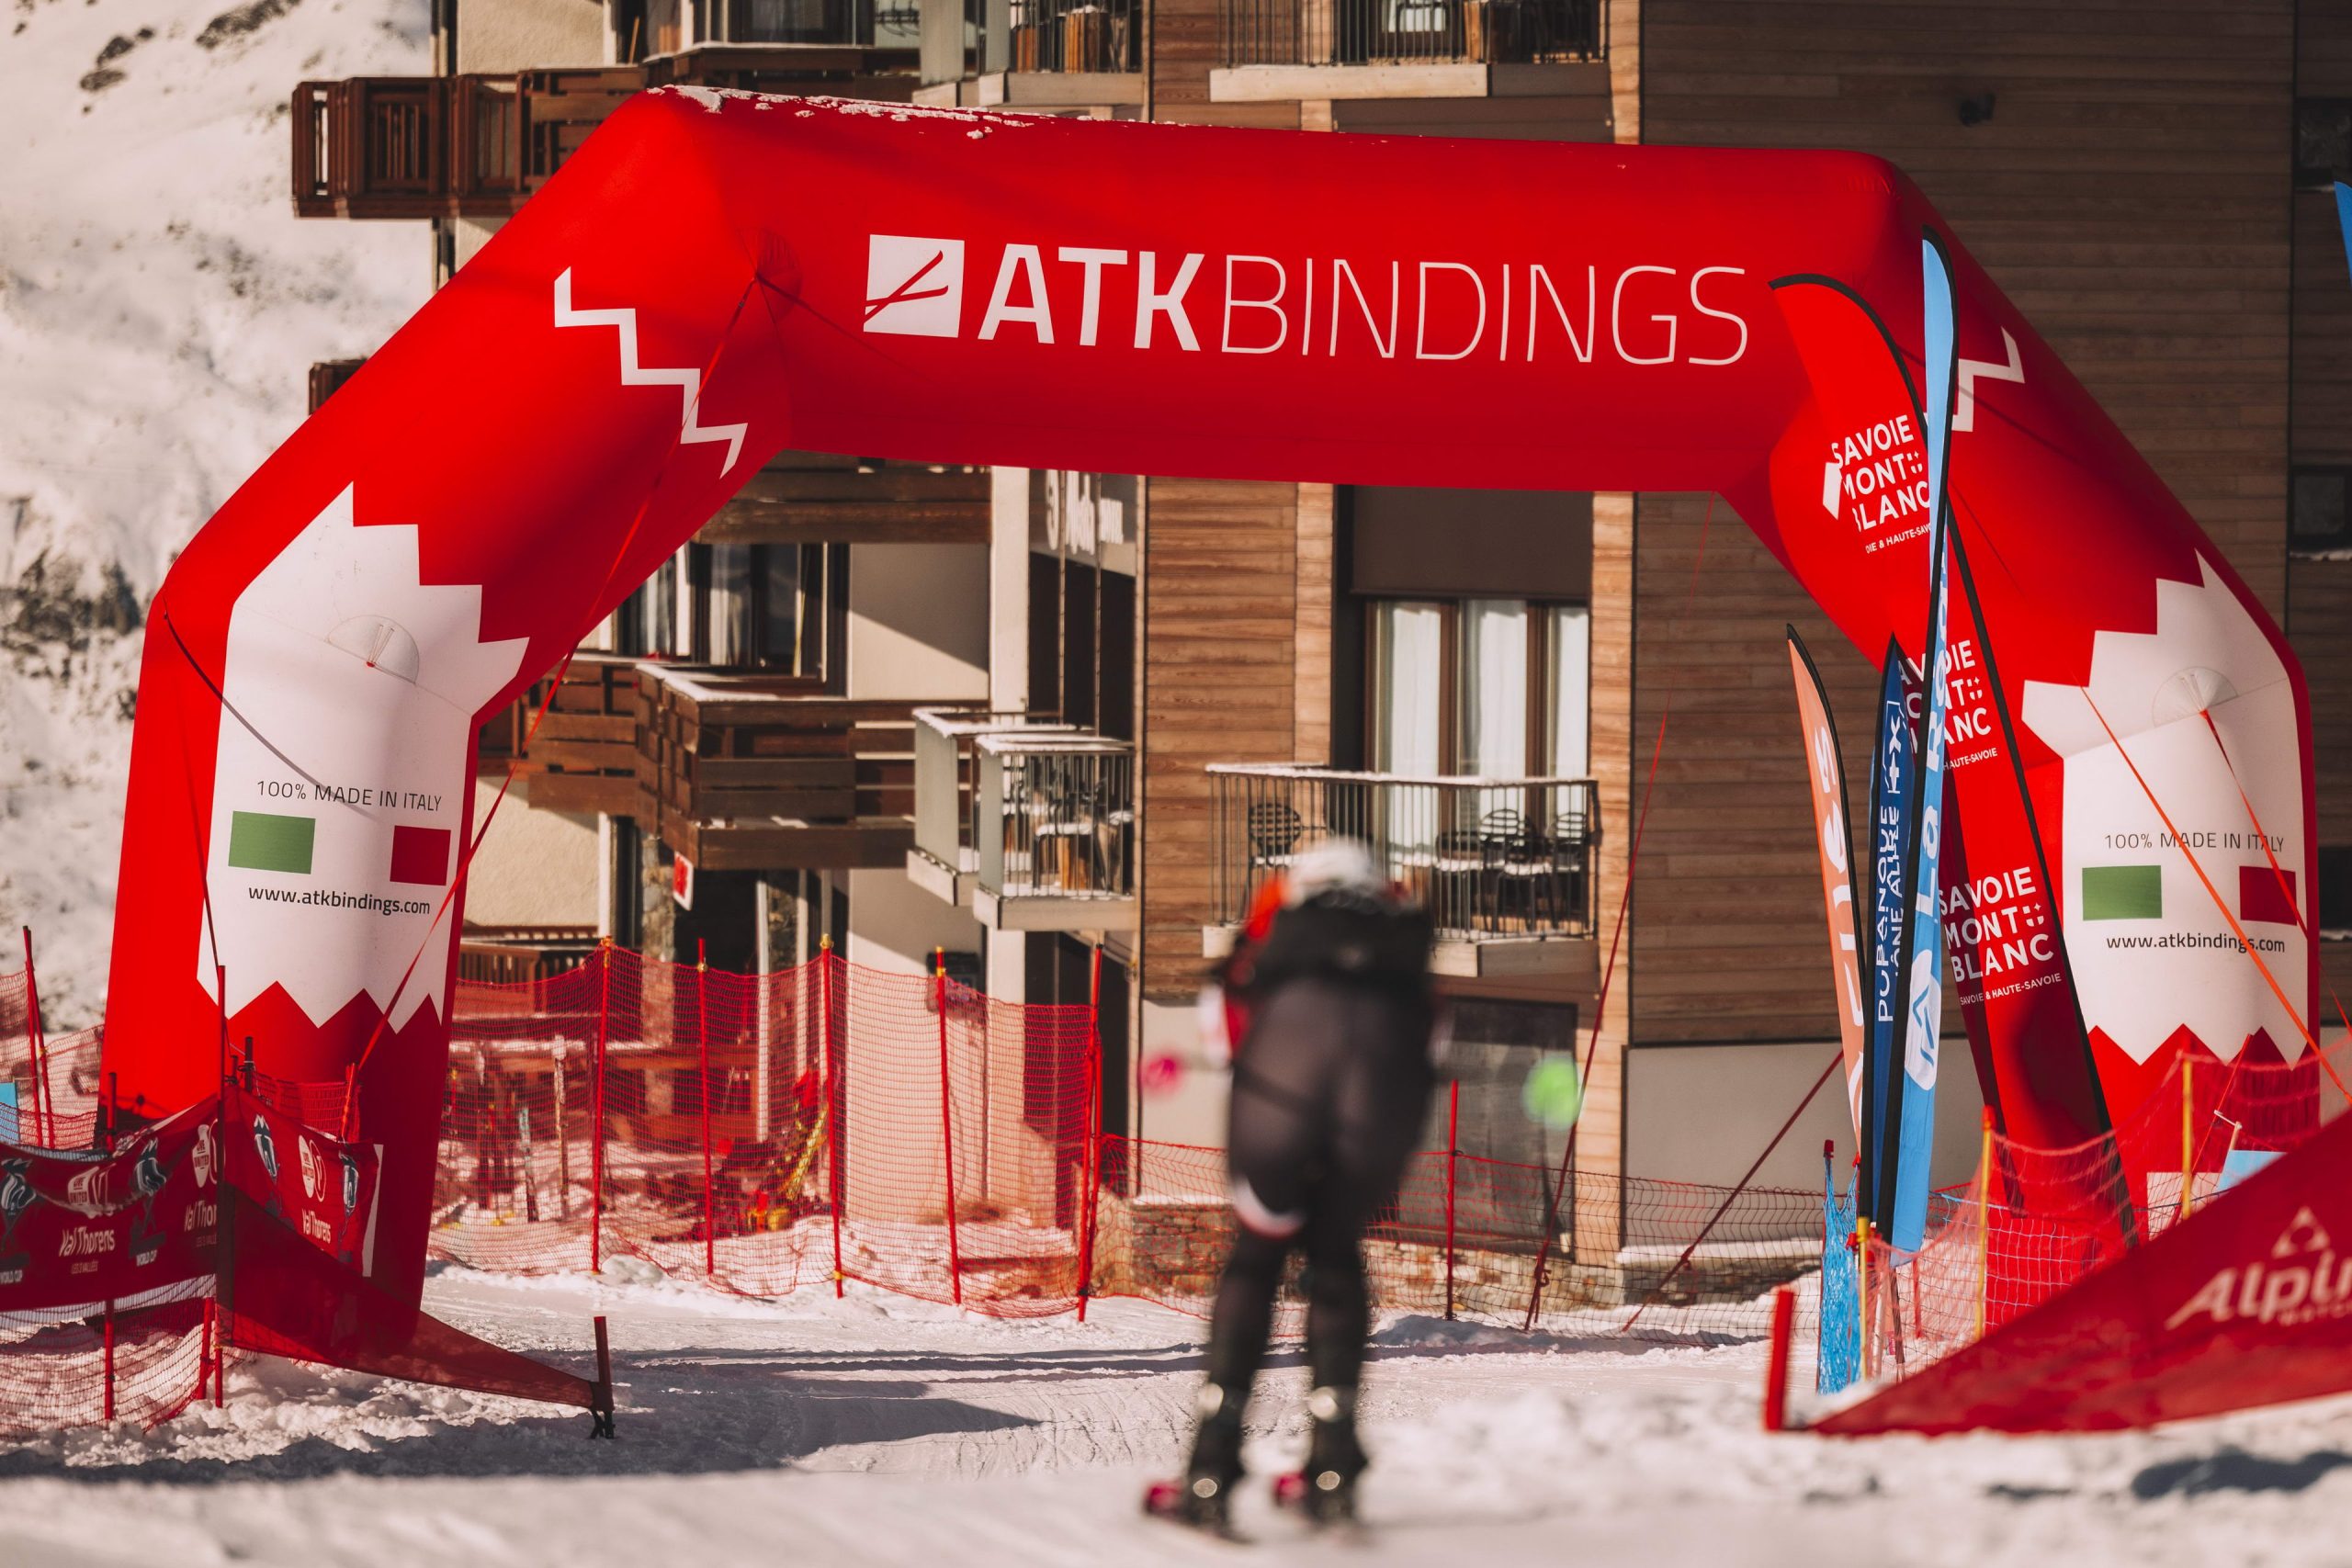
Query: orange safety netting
{"x": 834, "y": 1122}
{"x": 771, "y": 1132}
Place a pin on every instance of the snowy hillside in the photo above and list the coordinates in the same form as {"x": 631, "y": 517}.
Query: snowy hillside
{"x": 159, "y": 307}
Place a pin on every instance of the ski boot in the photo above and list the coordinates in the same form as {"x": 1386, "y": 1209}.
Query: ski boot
{"x": 1202, "y": 1497}
{"x": 1325, "y": 1490}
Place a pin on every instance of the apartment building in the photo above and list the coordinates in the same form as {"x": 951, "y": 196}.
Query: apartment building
{"x": 1062, "y": 725}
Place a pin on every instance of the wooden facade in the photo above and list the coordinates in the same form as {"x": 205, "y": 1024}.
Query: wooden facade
{"x": 1222, "y": 640}
{"x": 2130, "y": 193}
{"x": 2319, "y": 592}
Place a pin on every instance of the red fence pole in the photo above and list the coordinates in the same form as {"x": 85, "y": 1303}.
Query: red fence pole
{"x": 947, "y": 1127}
{"x": 702, "y": 1049}
{"x": 1090, "y": 1159}
{"x": 596, "y": 1109}
{"x": 44, "y": 1113}
{"x": 1453, "y": 1156}
{"x": 1776, "y": 1372}
{"x": 110, "y": 1413}
{"x": 829, "y": 1112}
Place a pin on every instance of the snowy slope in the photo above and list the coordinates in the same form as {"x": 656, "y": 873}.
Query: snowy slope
{"x": 159, "y": 308}
{"x": 881, "y": 1432}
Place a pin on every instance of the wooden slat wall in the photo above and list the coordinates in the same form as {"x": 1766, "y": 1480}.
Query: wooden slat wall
{"x": 1311, "y": 698}
{"x": 1728, "y": 936}
{"x": 2319, "y": 593}
{"x": 2322, "y": 429}
{"x": 1619, "y": 751}
{"x": 1220, "y": 667}
{"x": 2130, "y": 194}
{"x": 1569, "y": 117}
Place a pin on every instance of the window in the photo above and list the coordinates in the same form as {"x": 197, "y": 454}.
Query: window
{"x": 2323, "y": 141}
{"x": 2318, "y": 518}
{"x": 1493, "y": 687}
{"x": 1492, "y": 1050}
{"x": 755, "y": 606}
{"x": 2336, "y": 887}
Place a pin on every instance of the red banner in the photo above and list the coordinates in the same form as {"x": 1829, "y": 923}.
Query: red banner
{"x": 323, "y": 1189}
{"x": 1825, "y": 772}
{"x": 82, "y": 1230}
{"x": 2246, "y": 1302}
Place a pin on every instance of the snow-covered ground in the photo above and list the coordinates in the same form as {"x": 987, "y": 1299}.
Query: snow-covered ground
{"x": 159, "y": 307}
{"x": 876, "y": 1430}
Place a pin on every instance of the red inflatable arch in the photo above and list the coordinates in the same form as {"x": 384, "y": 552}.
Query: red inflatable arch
{"x": 715, "y": 277}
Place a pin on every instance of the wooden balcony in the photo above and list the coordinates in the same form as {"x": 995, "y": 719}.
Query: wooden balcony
{"x": 752, "y": 771}
{"x": 828, "y": 60}
{"x": 327, "y": 376}
{"x": 443, "y": 146}
{"x": 584, "y": 758}
{"x": 516, "y": 955}
{"x": 807, "y": 497}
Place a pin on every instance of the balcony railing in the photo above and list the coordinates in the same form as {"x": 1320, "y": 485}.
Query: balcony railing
{"x": 946, "y": 769}
{"x": 750, "y": 771}
{"x": 1494, "y": 859}
{"x": 512, "y": 955}
{"x": 584, "y": 758}
{"x": 802, "y": 497}
{"x": 1414, "y": 32}
{"x": 1053, "y": 816}
{"x": 443, "y": 146}
{"x": 1075, "y": 35}
{"x": 848, "y": 57}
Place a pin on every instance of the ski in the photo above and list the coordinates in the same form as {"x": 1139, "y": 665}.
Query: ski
{"x": 1174, "y": 1501}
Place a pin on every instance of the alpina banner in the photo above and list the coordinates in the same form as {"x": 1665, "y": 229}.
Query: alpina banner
{"x": 714, "y": 277}
{"x": 2248, "y": 1301}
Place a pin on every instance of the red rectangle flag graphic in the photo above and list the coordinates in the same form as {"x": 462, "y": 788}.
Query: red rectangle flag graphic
{"x": 421, "y": 855}
{"x": 2268, "y": 895}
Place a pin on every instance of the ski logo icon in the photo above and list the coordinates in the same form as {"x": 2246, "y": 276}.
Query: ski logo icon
{"x": 2304, "y": 1233}
{"x": 914, "y": 286}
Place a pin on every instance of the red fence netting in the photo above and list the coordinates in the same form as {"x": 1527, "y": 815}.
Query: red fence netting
{"x": 2021, "y": 1230}
{"x": 835, "y": 1122}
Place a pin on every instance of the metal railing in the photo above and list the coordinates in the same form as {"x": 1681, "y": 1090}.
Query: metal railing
{"x": 945, "y": 773}
{"x": 1493, "y": 859}
{"x": 1075, "y": 35}
{"x": 1054, "y": 816}
{"x": 1419, "y": 32}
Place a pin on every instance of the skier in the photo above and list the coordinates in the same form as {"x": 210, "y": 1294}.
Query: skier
{"x": 1327, "y": 997}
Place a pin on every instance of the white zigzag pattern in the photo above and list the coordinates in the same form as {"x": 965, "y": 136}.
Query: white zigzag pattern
{"x": 688, "y": 382}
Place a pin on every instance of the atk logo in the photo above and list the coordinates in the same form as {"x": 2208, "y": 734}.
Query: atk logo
{"x": 2302, "y": 1281}
{"x": 914, "y": 286}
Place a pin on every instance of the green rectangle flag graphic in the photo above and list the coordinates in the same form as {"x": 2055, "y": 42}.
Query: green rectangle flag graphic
{"x": 2123, "y": 893}
{"x": 262, "y": 840}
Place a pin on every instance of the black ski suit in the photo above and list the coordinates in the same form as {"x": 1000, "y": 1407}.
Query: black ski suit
{"x": 1331, "y": 1085}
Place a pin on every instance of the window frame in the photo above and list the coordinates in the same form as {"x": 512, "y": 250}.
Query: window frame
{"x": 1542, "y": 665}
